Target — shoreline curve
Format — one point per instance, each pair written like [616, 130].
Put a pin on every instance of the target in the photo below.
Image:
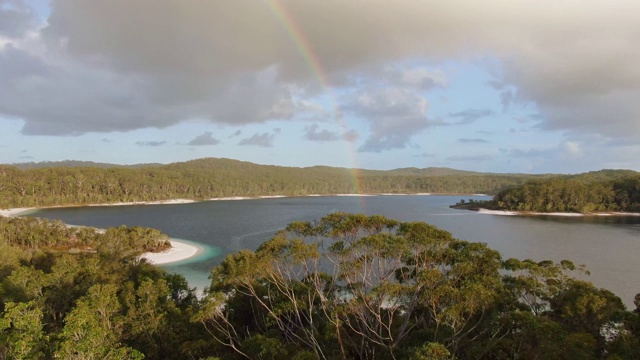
[179, 251]
[559, 214]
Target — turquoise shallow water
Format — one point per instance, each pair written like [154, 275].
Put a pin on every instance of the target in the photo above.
[196, 277]
[609, 246]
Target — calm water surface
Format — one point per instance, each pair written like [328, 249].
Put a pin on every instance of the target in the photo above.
[609, 246]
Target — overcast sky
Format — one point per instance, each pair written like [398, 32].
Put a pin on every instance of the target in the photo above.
[500, 86]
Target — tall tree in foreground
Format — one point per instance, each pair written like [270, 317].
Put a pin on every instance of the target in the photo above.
[355, 285]
[367, 287]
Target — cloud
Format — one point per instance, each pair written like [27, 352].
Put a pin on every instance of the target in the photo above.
[566, 150]
[313, 133]
[472, 141]
[417, 77]
[350, 136]
[394, 116]
[16, 17]
[150, 143]
[469, 116]
[426, 155]
[235, 134]
[117, 66]
[204, 139]
[262, 140]
[485, 157]
[579, 154]
[506, 98]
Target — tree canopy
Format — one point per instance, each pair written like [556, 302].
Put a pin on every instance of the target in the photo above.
[592, 192]
[210, 178]
[347, 286]
[367, 287]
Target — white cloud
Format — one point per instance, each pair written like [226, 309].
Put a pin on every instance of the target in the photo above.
[150, 143]
[394, 116]
[261, 140]
[472, 141]
[204, 139]
[119, 65]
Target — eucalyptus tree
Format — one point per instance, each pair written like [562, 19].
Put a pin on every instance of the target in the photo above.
[353, 286]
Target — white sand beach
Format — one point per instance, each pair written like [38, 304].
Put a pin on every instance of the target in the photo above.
[566, 214]
[229, 198]
[497, 212]
[14, 212]
[159, 202]
[18, 211]
[353, 195]
[179, 251]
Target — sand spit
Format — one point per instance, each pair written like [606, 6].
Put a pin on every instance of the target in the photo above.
[527, 213]
[14, 212]
[362, 195]
[497, 212]
[160, 202]
[179, 251]
[230, 198]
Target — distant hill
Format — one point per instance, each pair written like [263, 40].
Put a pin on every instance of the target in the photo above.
[84, 182]
[432, 171]
[74, 164]
[224, 163]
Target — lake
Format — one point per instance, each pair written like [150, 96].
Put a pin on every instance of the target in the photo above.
[609, 246]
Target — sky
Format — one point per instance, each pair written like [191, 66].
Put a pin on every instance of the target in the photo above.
[544, 86]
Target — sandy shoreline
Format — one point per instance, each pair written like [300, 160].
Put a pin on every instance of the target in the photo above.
[17, 211]
[14, 212]
[527, 213]
[179, 251]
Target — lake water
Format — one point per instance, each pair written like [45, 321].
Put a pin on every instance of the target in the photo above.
[608, 246]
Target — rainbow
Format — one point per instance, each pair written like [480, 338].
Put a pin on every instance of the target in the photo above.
[305, 48]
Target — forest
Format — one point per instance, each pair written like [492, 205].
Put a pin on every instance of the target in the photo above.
[602, 191]
[346, 286]
[48, 184]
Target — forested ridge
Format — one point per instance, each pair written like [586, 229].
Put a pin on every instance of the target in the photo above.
[600, 191]
[344, 287]
[49, 184]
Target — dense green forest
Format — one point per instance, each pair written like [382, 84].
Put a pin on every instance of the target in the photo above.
[83, 183]
[606, 191]
[344, 287]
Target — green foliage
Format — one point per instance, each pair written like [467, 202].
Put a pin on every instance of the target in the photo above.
[431, 351]
[209, 178]
[40, 234]
[591, 192]
[356, 286]
[348, 286]
[21, 330]
[92, 304]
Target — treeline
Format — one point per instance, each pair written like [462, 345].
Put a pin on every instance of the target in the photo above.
[344, 287]
[97, 303]
[209, 178]
[591, 192]
[41, 234]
